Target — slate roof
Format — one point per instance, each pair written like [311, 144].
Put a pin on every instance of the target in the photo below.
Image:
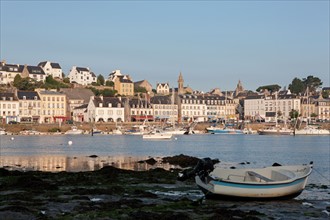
[7, 96]
[35, 70]
[139, 102]
[82, 69]
[165, 100]
[29, 95]
[122, 80]
[106, 100]
[53, 65]
[7, 67]
[84, 106]
[78, 93]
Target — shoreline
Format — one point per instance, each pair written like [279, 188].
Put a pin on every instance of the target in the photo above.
[112, 193]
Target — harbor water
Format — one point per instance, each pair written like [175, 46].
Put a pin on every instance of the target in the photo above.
[73, 152]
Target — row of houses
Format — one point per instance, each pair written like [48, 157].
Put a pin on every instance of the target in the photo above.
[80, 105]
[81, 76]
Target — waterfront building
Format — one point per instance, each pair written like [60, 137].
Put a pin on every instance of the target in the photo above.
[75, 98]
[270, 107]
[9, 71]
[322, 108]
[105, 109]
[81, 75]
[164, 108]
[140, 109]
[53, 106]
[29, 106]
[51, 69]
[9, 107]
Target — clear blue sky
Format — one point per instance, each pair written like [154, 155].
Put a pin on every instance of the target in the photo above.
[214, 44]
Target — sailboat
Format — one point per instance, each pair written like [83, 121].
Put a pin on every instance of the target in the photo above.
[276, 130]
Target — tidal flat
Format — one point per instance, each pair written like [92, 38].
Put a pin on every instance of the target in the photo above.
[112, 193]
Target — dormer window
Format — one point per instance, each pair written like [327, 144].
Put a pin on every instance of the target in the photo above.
[35, 97]
[24, 97]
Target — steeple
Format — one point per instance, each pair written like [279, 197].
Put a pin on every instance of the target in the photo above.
[180, 84]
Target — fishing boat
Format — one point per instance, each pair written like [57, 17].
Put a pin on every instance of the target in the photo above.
[224, 130]
[74, 130]
[274, 182]
[312, 130]
[275, 130]
[157, 134]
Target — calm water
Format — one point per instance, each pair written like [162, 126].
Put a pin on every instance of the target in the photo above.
[259, 150]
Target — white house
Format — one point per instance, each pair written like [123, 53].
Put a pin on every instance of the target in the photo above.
[105, 109]
[9, 107]
[34, 72]
[9, 71]
[81, 75]
[163, 88]
[51, 69]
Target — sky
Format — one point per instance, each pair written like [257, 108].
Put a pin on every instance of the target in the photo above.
[212, 43]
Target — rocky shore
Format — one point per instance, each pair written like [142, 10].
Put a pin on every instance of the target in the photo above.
[111, 193]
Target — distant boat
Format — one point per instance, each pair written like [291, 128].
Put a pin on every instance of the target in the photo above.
[2, 131]
[30, 132]
[312, 130]
[274, 182]
[157, 134]
[275, 131]
[74, 130]
[96, 131]
[225, 130]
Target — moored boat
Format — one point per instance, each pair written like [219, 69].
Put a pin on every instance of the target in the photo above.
[225, 130]
[275, 131]
[2, 131]
[74, 130]
[275, 182]
[157, 134]
[312, 130]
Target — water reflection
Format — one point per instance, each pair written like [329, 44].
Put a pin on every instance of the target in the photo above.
[82, 163]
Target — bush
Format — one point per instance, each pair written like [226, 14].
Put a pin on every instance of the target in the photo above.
[54, 130]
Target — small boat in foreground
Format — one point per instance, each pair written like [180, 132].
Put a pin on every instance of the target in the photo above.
[275, 182]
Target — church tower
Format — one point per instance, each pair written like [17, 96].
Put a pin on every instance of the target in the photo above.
[180, 84]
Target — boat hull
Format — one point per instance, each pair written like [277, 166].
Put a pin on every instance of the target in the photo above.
[224, 131]
[269, 183]
[225, 190]
[157, 137]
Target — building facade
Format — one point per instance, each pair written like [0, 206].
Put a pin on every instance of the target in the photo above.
[82, 76]
[51, 69]
[53, 106]
[29, 106]
[9, 107]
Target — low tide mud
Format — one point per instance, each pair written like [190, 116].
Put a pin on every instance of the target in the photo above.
[112, 193]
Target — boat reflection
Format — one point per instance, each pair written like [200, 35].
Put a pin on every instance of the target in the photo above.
[78, 164]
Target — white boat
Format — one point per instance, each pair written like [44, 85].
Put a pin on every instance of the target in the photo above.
[249, 131]
[30, 132]
[2, 131]
[275, 131]
[96, 131]
[157, 134]
[275, 182]
[74, 130]
[312, 130]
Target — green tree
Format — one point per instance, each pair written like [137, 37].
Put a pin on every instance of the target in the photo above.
[294, 113]
[313, 83]
[66, 80]
[271, 88]
[17, 80]
[140, 89]
[109, 83]
[297, 86]
[100, 80]
[109, 92]
[325, 94]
